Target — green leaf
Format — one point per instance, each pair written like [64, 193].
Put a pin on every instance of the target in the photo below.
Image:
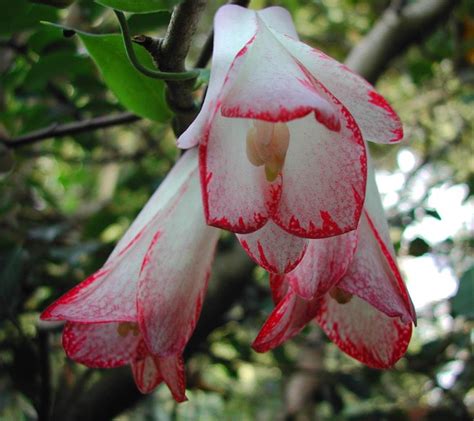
[462, 304]
[139, 6]
[418, 247]
[138, 93]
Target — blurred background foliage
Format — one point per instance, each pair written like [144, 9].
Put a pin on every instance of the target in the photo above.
[64, 202]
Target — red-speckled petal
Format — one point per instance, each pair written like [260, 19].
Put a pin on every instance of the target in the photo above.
[363, 332]
[150, 371]
[375, 117]
[373, 274]
[324, 177]
[274, 249]
[174, 274]
[146, 374]
[110, 293]
[266, 83]
[324, 264]
[374, 277]
[172, 370]
[99, 345]
[279, 286]
[287, 319]
[236, 194]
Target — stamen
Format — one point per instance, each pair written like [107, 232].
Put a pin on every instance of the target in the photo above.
[252, 153]
[124, 328]
[267, 144]
[341, 296]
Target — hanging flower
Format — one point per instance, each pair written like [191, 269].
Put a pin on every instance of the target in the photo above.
[282, 135]
[142, 306]
[351, 286]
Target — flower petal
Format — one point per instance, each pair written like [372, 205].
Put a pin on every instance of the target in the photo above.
[288, 318]
[160, 200]
[146, 374]
[274, 249]
[324, 264]
[97, 299]
[99, 345]
[363, 332]
[324, 179]
[279, 286]
[266, 83]
[233, 27]
[236, 195]
[375, 117]
[374, 275]
[175, 272]
[150, 371]
[278, 19]
[172, 370]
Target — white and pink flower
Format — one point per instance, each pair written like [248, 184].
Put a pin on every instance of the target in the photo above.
[351, 286]
[142, 306]
[282, 134]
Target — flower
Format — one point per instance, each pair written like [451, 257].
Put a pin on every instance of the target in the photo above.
[351, 286]
[282, 135]
[142, 306]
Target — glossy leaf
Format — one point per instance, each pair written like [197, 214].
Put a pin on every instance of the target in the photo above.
[138, 93]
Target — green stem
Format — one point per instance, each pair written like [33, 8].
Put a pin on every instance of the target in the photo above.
[192, 74]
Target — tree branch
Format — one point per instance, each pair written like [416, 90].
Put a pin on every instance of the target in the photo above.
[67, 129]
[172, 55]
[394, 32]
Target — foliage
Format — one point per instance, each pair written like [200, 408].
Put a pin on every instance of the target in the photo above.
[66, 201]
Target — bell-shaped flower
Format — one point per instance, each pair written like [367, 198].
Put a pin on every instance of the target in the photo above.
[282, 135]
[142, 306]
[351, 286]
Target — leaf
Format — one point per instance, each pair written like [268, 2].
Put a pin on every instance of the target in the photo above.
[462, 302]
[140, 94]
[418, 247]
[139, 6]
[433, 213]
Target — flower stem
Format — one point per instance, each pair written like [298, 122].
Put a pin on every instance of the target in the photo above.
[192, 74]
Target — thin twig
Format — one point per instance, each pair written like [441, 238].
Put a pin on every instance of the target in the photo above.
[57, 130]
[192, 74]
